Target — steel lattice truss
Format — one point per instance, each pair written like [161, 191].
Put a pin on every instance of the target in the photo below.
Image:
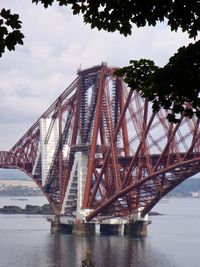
[135, 156]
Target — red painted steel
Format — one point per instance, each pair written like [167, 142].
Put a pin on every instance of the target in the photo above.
[135, 156]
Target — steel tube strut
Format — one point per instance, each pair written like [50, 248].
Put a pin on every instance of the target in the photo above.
[135, 185]
[135, 156]
[94, 139]
[108, 152]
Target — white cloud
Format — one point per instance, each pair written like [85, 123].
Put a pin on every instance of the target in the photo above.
[55, 44]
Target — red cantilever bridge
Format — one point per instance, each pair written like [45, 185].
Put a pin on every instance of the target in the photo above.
[100, 152]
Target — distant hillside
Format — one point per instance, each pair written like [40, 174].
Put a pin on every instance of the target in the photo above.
[10, 174]
[185, 189]
[20, 191]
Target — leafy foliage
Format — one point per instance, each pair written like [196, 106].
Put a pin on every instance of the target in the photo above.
[174, 87]
[10, 34]
[121, 15]
[139, 75]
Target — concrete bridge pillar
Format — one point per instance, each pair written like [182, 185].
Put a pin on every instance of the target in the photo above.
[137, 226]
[76, 229]
[84, 229]
[111, 229]
[136, 229]
[57, 227]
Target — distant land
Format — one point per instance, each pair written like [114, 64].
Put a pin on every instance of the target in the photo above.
[17, 183]
[183, 190]
[19, 188]
[13, 174]
[186, 188]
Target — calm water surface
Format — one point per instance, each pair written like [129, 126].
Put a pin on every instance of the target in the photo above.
[173, 240]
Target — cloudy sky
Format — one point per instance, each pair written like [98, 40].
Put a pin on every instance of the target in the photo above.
[56, 44]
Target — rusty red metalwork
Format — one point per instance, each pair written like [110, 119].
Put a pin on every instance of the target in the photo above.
[135, 156]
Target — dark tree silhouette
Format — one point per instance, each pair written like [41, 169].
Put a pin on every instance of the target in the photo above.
[174, 87]
[10, 34]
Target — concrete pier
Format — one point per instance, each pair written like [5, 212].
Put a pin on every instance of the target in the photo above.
[77, 229]
[111, 229]
[136, 229]
[57, 227]
[114, 226]
[84, 229]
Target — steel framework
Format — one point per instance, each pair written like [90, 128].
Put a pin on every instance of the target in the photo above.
[135, 156]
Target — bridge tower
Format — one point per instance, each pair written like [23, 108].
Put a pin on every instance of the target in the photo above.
[100, 155]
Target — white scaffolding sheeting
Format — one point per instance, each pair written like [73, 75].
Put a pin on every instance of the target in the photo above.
[47, 149]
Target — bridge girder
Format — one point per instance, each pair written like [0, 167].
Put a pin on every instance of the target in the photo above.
[135, 157]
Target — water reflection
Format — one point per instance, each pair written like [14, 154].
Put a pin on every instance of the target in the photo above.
[26, 242]
[111, 251]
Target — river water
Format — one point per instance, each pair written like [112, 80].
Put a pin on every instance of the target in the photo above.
[173, 240]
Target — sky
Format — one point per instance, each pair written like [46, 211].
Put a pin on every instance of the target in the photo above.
[56, 45]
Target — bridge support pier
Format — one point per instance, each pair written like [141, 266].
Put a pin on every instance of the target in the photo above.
[57, 227]
[111, 229]
[84, 229]
[77, 228]
[136, 226]
[136, 229]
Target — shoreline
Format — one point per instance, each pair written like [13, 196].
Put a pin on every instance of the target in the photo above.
[41, 210]
[28, 210]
